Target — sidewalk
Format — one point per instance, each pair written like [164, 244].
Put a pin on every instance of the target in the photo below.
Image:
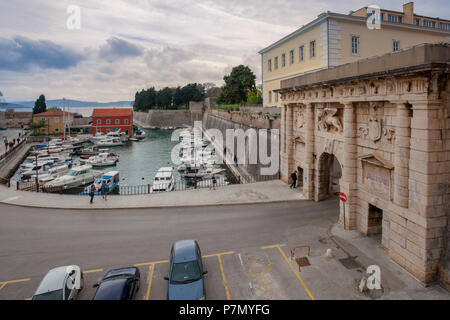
[256, 193]
[397, 284]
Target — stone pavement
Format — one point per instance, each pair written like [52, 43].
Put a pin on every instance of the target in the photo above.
[262, 192]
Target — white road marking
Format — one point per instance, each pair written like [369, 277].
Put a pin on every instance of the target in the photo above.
[240, 258]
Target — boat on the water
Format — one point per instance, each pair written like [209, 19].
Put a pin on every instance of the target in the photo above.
[103, 160]
[52, 173]
[111, 180]
[109, 142]
[164, 180]
[76, 177]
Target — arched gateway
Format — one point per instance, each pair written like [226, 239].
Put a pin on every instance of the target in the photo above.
[380, 140]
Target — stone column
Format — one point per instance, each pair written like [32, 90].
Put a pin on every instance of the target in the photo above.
[283, 156]
[308, 173]
[348, 181]
[289, 137]
[402, 124]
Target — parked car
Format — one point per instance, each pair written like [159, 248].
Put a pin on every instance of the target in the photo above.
[60, 284]
[2, 129]
[186, 272]
[119, 284]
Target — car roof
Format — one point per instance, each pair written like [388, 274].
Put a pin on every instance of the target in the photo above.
[184, 250]
[53, 280]
[110, 289]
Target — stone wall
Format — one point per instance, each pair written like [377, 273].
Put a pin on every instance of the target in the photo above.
[165, 118]
[251, 119]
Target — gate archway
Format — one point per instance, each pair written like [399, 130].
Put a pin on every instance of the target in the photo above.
[329, 176]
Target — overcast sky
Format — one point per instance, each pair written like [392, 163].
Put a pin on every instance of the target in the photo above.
[126, 45]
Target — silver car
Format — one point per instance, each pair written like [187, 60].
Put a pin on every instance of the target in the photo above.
[62, 283]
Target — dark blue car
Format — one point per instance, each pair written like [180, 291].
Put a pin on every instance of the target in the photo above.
[186, 273]
[118, 284]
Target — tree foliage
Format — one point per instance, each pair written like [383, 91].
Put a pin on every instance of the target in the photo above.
[168, 98]
[240, 81]
[40, 105]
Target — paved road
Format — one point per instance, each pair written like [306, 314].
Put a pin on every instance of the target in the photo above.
[10, 134]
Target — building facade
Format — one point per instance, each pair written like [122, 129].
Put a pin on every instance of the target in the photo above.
[54, 120]
[334, 39]
[381, 135]
[106, 120]
[12, 119]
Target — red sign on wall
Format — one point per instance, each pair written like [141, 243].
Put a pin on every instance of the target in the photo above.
[343, 197]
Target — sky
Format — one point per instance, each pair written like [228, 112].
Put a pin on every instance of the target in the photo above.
[123, 46]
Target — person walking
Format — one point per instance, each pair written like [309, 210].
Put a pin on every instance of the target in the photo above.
[104, 190]
[92, 193]
[10, 144]
[214, 181]
[294, 180]
[5, 141]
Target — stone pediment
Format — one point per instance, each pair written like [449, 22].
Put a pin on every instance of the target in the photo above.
[378, 161]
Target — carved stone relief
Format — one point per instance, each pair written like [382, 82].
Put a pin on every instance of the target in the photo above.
[328, 120]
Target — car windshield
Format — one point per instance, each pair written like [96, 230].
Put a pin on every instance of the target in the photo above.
[185, 272]
[51, 295]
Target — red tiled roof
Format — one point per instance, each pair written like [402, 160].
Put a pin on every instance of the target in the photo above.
[112, 112]
[52, 113]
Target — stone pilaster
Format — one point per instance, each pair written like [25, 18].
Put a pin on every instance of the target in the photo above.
[402, 122]
[308, 173]
[349, 167]
[289, 138]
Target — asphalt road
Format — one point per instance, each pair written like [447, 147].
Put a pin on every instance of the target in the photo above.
[32, 241]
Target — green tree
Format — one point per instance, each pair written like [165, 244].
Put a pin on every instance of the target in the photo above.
[164, 98]
[39, 105]
[240, 81]
[254, 97]
[36, 126]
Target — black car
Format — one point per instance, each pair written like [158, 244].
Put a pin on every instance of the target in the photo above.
[118, 284]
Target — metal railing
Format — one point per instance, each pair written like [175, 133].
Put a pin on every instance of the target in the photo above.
[13, 150]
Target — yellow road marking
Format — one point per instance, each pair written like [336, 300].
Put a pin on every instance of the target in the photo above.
[151, 263]
[292, 267]
[224, 279]
[28, 299]
[152, 270]
[14, 281]
[93, 271]
[2, 286]
[218, 254]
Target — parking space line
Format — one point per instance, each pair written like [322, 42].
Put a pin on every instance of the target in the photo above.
[151, 263]
[4, 283]
[92, 271]
[292, 268]
[149, 286]
[217, 254]
[224, 279]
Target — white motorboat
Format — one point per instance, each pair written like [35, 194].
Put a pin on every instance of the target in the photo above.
[98, 137]
[164, 180]
[103, 160]
[52, 174]
[117, 134]
[109, 142]
[139, 134]
[111, 179]
[76, 177]
[200, 172]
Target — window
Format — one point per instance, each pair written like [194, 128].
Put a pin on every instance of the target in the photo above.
[270, 96]
[394, 18]
[117, 121]
[417, 22]
[291, 57]
[312, 49]
[382, 16]
[108, 121]
[283, 60]
[429, 24]
[56, 119]
[99, 121]
[276, 63]
[395, 45]
[301, 53]
[355, 45]
[276, 96]
[269, 65]
[126, 121]
[444, 26]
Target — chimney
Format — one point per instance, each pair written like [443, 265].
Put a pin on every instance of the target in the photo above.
[408, 11]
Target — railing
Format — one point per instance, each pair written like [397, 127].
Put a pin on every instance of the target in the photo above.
[180, 185]
[11, 151]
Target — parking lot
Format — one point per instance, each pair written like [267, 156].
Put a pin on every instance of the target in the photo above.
[255, 273]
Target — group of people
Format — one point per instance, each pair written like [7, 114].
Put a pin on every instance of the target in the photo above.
[9, 145]
[104, 189]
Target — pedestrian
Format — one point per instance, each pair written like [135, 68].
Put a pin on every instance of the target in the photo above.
[18, 141]
[104, 190]
[5, 141]
[14, 141]
[294, 180]
[92, 193]
[10, 144]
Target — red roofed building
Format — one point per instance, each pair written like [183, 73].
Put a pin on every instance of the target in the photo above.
[106, 120]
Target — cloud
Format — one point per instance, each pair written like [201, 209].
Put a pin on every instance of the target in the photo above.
[116, 48]
[21, 54]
